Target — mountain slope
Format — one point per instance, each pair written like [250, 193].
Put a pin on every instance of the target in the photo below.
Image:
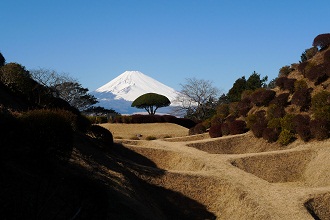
[120, 92]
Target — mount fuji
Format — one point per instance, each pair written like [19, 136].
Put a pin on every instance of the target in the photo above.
[119, 93]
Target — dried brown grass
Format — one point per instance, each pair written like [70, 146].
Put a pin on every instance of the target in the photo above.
[158, 130]
[241, 177]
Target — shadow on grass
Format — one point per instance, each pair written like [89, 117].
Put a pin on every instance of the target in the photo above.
[106, 186]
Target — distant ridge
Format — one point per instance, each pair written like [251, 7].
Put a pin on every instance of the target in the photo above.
[120, 92]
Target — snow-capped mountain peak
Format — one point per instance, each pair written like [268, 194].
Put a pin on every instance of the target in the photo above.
[120, 92]
[131, 84]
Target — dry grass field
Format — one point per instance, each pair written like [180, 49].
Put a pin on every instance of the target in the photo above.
[157, 130]
[235, 177]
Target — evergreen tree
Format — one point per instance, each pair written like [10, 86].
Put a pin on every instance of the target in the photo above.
[234, 94]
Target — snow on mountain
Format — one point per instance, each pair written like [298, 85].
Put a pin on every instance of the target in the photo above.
[120, 92]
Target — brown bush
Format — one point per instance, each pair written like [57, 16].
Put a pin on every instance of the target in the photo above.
[304, 132]
[285, 83]
[237, 127]
[289, 84]
[199, 129]
[319, 129]
[225, 129]
[320, 99]
[244, 106]
[281, 99]
[275, 111]
[317, 74]
[215, 131]
[302, 98]
[301, 67]
[262, 97]
[300, 84]
[258, 128]
[280, 82]
[322, 41]
[285, 71]
[270, 135]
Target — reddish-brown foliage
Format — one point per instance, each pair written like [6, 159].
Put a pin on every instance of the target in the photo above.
[225, 129]
[317, 74]
[270, 134]
[319, 129]
[302, 98]
[304, 132]
[258, 128]
[302, 66]
[215, 131]
[322, 40]
[237, 127]
[244, 106]
[281, 100]
[262, 97]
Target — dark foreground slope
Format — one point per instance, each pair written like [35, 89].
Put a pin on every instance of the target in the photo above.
[93, 184]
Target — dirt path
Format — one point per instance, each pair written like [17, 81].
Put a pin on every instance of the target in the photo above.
[270, 183]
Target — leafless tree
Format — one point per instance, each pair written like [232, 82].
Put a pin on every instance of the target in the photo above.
[197, 97]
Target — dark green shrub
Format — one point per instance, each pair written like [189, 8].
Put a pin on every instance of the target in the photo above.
[320, 129]
[285, 71]
[215, 131]
[244, 106]
[308, 54]
[48, 134]
[322, 113]
[275, 124]
[319, 100]
[225, 129]
[281, 100]
[237, 127]
[270, 135]
[103, 135]
[286, 137]
[302, 98]
[275, 111]
[259, 116]
[287, 122]
[262, 97]
[300, 84]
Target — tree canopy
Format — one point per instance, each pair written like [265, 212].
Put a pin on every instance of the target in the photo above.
[2, 60]
[322, 41]
[151, 102]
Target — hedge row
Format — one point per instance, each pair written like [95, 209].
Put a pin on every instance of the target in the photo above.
[139, 119]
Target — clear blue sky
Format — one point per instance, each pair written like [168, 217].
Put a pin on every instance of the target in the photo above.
[169, 40]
